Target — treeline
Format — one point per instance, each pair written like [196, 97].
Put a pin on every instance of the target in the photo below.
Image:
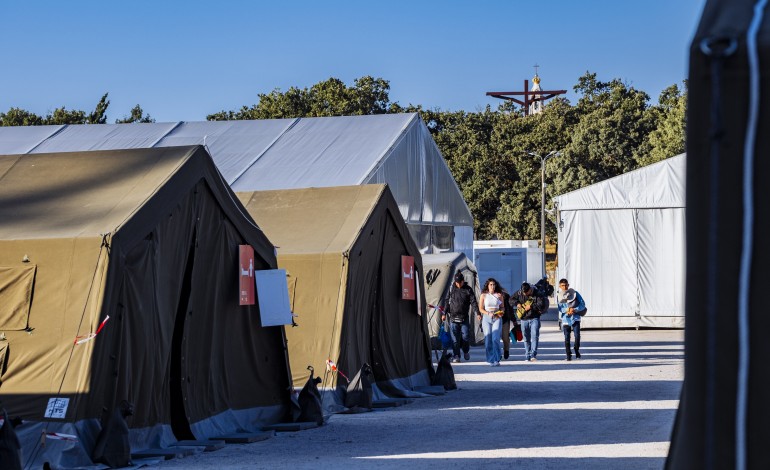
[612, 129]
[22, 117]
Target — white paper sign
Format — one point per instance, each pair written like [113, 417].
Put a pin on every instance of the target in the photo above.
[273, 297]
[57, 408]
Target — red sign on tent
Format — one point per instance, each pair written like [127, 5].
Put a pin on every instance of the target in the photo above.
[246, 273]
[407, 278]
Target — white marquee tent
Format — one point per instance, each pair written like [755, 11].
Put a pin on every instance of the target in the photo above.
[621, 244]
[396, 149]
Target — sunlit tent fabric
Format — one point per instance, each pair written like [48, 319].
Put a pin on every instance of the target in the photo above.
[396, 149]
[145, 243]
[622, 246]
[723, 412]
[342, 249]
[440, 269]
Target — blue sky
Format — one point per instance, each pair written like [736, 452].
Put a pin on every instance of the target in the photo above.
[184, 60]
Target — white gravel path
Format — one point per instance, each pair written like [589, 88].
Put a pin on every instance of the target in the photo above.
[612, 409]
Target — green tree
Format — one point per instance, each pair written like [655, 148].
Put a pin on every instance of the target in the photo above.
[20, 117]
[66, 116]
[137, 115]
[668, 137]
[62, 115]
[99, 114]
[516, 139]
[613, 125]
[328, 98]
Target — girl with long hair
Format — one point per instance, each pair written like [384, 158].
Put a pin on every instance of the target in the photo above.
[492, 309]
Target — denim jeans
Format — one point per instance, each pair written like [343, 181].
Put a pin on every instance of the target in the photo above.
[567, 330]
[492, 327]
[531, 330]
[461, 337]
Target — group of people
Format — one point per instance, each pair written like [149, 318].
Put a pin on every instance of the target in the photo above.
[497, 311]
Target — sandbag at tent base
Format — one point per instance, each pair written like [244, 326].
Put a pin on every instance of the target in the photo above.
[10, 447]
[358, 394]
[311, 409]
[112, 445]
[445, 376]
[77, 453]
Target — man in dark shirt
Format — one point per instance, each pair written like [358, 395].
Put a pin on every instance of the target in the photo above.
[528, 309]
[459, 303]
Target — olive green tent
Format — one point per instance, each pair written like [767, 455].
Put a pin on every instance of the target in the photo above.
[342, 248]
[440, 269]
[140, 246]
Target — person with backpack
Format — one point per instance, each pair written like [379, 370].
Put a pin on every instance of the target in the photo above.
[572, 307]
[529, 307]
[460, 300]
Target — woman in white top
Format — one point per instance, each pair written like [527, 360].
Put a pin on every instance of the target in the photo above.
[492, 309]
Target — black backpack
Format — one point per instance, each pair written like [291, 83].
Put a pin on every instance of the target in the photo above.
[545, 290]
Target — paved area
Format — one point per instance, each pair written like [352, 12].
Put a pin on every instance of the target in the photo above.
[612, 409]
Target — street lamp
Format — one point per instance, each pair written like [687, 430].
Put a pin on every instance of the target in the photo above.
[553, 153]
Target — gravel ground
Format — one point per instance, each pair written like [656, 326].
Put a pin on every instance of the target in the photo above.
[612, 409]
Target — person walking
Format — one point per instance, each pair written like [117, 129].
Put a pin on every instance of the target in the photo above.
[459, 302]
[491, 309]
[529, 307]
[571, 309]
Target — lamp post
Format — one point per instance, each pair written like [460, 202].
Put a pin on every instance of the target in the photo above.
[543, 159]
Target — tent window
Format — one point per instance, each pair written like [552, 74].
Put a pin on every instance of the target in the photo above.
[16, 285]
[421, 236]
[443, 238]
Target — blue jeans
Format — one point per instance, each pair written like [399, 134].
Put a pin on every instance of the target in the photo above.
[531, 330]
[461, 337]
[576, 329]
[492, 331]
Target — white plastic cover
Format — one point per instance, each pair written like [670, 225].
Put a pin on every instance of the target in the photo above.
[658, 185]
[622, 246]
[18, 140]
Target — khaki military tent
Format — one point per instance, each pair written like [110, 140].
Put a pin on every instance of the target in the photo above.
[140, 246]
[342, 248]
[440, 269]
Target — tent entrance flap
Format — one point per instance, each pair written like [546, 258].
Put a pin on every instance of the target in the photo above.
[180, 425]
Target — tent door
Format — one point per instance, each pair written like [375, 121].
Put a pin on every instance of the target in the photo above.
[180, 424]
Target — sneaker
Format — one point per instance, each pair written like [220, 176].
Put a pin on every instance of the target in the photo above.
[568, 358]
[467, 356]
[506, 354]
[534, 359]
[528, 359]
[495, 364]
[455, 359]
[577, 355]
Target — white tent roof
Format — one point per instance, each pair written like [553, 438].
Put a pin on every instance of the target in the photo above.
[660, 185]
[396, 149]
